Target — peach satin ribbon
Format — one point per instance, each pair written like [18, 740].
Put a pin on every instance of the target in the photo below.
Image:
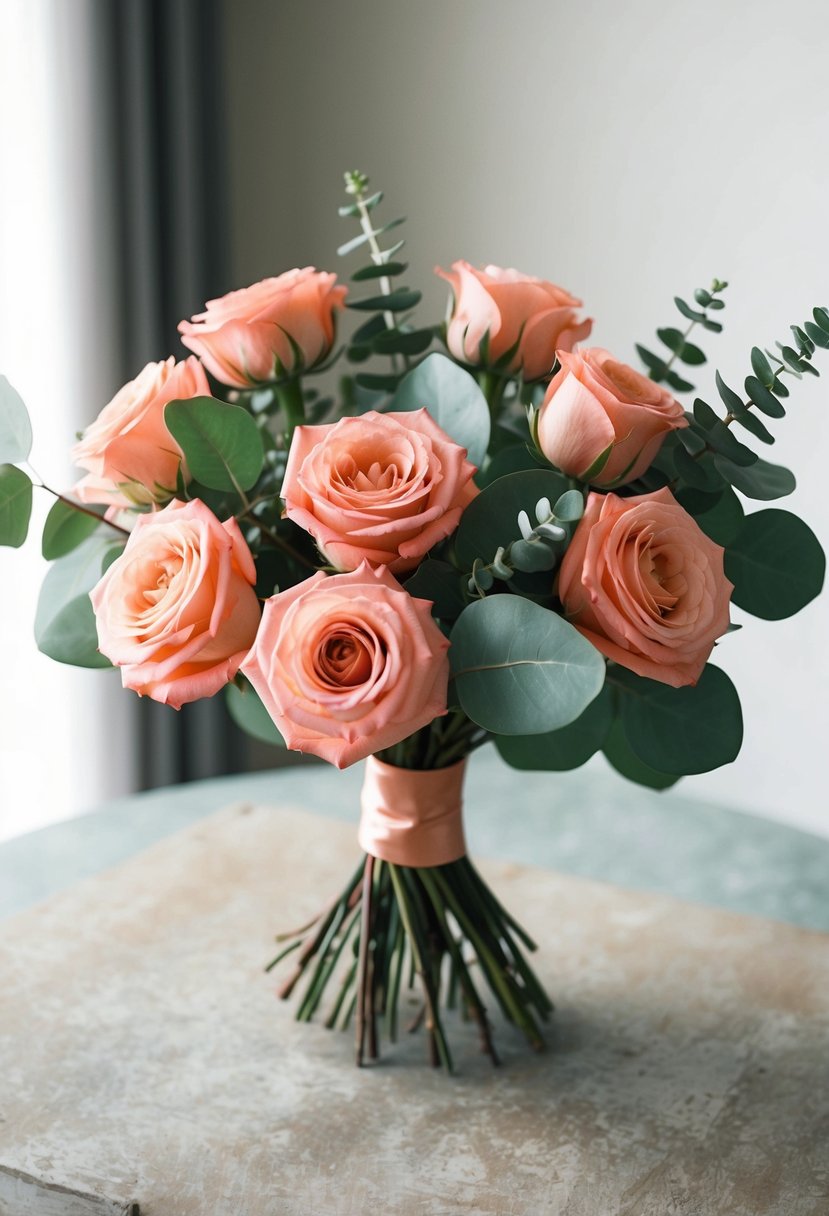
[412, 817]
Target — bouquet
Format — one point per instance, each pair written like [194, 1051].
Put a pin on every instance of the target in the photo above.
[490, 531]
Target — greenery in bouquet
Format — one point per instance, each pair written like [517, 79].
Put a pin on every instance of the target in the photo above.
[490, 532]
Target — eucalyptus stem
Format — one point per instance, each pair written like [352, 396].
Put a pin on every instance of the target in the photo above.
[378, 256]
[77, 506]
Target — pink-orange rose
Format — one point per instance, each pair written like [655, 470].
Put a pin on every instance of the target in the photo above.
[129, 454]
[596, 406]
[382, 488]
[498, 313]
[348, 664]
[645, 585]
[177, 611]
[270, 330]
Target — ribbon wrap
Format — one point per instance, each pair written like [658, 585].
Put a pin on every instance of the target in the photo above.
[412, 817]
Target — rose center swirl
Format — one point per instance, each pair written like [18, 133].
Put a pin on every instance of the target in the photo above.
[344, 659]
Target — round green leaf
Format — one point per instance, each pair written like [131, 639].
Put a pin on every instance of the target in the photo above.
[441, 583]
[567, 748]
[64, 620]
[491, 519]
[15, 427]
[248, 712]
[221, 443]
[760, 480]
[681, 730]
[618, 754]
[452, 398]
[516, 458]
[776, 564]
[65, 528]
[723, 520]
[15, 505]
[520, 669]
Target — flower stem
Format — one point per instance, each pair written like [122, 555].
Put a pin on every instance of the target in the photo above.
[292, 403]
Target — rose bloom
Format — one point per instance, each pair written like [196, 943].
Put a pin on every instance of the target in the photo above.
[273, 329]
[495, 310]
[177, 611]
[594, 403]
[129, 454]
[645, 585]
[348, 664]
[382, 488]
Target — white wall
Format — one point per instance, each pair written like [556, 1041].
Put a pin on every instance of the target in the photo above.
[629, 152]
[64, 733]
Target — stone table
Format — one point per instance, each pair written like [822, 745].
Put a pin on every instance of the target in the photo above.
[147, 1068]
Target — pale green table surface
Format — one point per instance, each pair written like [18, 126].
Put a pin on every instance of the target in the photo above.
[590, 822]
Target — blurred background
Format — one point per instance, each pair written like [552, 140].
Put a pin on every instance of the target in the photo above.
[156, 153]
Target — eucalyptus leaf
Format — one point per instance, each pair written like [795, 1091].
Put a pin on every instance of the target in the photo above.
[15, 505]
[723, 520]
[564, 749]
[385, 270]
[620, 756]
[520, 669]
[517, 458]
[250, 715]
[491, 519]
[65, 528]
[221, 443]
[763, 398]
[399, 300]
[760, 480]
[776, 564]
[441, 583]
[678, 731]
[64, 621]
[453, 399]
[15, 426]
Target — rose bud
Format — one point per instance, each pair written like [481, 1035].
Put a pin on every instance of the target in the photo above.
[382, 488]
[130, 455]
[645, 585]
[349, 664]
[594, 403]
[177, 611]
[274, 329]
[499, 315]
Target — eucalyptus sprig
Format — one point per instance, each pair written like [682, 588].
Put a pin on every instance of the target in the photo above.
[709, 456]
[660, 368]
[388, 332]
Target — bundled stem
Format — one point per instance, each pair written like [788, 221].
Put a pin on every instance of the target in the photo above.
[441, 921]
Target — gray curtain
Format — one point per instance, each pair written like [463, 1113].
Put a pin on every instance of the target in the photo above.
[161, 83]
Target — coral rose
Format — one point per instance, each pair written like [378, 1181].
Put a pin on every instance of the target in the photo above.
[382, 488]
[273, 329]
[177, 611]
[348, 664]
[646, 586]
[595, 406]
[130, 455]
[505, 315]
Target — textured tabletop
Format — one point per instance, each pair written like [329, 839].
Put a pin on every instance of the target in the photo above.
[145, 1061]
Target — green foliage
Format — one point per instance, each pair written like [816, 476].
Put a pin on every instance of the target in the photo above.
[661, 367]
[389, 331]
[776, 565]
[621, 756]
[678, 731]
[66, 528]
[453, 399]
[710, 435]
[520, 669]
[567, 748]
[249, 714]
[221, 443]
[490, 521]
[720, 517]
[441, 583]
[64, 621]
[15, 505]
[15, 427]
